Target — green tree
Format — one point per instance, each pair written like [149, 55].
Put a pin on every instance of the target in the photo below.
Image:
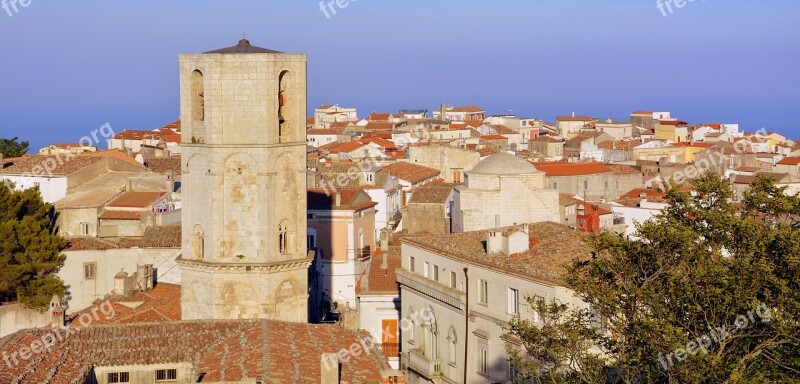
[30, 250]
[703, 264]
[13, 148]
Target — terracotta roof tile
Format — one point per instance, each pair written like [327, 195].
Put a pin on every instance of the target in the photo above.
[133, 199]
[225, 351]
[555, 247]
[412, 173]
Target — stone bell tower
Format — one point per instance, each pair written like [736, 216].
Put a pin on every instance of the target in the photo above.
[243, 184]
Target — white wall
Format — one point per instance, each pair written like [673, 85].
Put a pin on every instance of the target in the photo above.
[51, 188]
[109, 262]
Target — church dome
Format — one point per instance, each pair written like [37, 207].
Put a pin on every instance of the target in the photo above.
[504, 164]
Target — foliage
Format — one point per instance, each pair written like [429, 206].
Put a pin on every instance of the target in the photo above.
[30, 251]
[699, 266]
[12, 147]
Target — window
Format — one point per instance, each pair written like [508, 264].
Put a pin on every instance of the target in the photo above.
[89, 271]
[555, 185]
[483, 360]
[84, 229]
[426, 270]
[513, 301]
[167, 375]
[452, 344]
[119, 377]
[311, 216]
[198, 97]
[586, 185]
[483, 291]
[283, 240]
[617, 184]
[606, 185]
[369, 177]
[411, 263]
[436, 273]
[452, 279]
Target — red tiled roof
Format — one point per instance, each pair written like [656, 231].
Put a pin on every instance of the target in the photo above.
[132, 134]
[45, 165]
[163, 165]
[136, 199]
[494, 137]
[790, 161]
[351, 199]
[467, 109]
[640, 112]
[379, 280]
[560, 168]
[638, 192]
[593, 209]
[412, 173]
[224, 351]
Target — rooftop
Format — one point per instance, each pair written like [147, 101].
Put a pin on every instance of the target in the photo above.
[220, 351]
[243, 47]
[503, 163]
[553, 246]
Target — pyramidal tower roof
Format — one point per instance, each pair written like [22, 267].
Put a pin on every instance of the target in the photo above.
[243, 47]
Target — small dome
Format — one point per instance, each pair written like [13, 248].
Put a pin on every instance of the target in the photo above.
[504, 164]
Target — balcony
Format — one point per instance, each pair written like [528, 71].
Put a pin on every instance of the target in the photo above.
[390, 349]
[424, 365]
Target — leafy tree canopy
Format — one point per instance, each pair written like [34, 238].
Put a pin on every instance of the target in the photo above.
[707, 292]
[30, 251]
[12, 147]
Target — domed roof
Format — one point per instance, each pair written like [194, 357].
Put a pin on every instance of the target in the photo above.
[504, 164]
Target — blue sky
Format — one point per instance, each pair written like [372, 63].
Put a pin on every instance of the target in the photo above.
[67, 67]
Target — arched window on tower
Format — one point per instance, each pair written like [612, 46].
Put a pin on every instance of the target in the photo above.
[283, 108]
[199, 243]
[198, 96]
[283, 239]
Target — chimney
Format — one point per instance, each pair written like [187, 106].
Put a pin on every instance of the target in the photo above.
[494, 242]
[121, 286]
[144, 277]
[330, 371]
[338, 199]
[385, 257]
[170, 182]
[443, 112]
[57, 310]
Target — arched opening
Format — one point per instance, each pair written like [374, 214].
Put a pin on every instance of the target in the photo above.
[199, 243]
[284, 103]
[198, 97]
[452, 342]
[431, 349]
[283, 238]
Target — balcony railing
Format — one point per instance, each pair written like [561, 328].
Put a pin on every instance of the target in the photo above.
[424, 365]
[390, 349]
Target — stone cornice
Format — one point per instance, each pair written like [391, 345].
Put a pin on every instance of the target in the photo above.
[445, 295]
[200, 265]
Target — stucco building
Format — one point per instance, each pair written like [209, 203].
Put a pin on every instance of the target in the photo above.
[503, 190]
